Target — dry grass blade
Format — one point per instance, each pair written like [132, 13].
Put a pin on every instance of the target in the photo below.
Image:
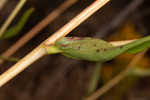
[12, 16]
[36, 29]
[118, 43]
[40, 50]
[2, 3]
[116, 79]
[76, 21]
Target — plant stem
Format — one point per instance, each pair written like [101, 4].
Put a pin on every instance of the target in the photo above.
[116, 79]
[22, 64]
[95, 78]
[118, 43]
[2, 3]
[41, 50]
[37, 53]
[12, 16]
[36, 29]
[76, 21]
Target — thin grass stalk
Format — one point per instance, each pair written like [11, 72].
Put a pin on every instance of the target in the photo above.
[118, 43]
[12, 16]
[40, 51]
[76, 21]
[116, 79]
[28, 60]
[2, 3]
[36, 29]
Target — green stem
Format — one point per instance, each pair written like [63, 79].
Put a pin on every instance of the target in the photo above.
[53, 50]
[95, 78]
[13, 59]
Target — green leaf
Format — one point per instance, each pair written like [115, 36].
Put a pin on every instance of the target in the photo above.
[14, 30]
[97, 50]
[139, 48]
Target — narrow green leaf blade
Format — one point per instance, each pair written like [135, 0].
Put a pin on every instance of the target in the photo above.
[139, 48]
[14, 30]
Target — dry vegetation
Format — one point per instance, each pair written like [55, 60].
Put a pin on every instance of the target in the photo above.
[56, 77]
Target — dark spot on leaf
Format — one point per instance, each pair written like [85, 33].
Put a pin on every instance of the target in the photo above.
[64, 45]
[79, 47]
[97, 50]
[121, 47]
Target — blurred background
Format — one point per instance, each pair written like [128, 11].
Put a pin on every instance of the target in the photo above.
[56, 77]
